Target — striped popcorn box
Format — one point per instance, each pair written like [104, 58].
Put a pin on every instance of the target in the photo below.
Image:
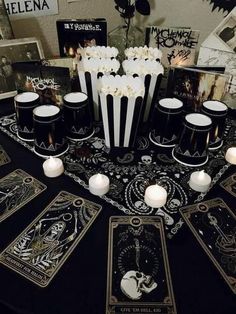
[89, 70]
[151, 72]
[121, 99]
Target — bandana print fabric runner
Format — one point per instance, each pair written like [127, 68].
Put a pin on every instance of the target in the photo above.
[131, 170]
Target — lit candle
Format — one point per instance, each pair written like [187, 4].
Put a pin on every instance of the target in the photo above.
[200, 181]
[99, 184]
[53, 167]
[230, 155]
[155, 196]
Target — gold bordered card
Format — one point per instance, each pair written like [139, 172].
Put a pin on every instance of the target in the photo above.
[43, 247]
[214, 225]
[138, 275]
[16, 189]
[229, 184]
[4, 158]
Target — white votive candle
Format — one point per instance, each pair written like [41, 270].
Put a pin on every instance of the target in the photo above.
[230, 155]
[155, 196]
[200, 181]
[99, 184]
[53, 167]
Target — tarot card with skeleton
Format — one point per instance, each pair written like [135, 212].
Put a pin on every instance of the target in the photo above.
[214, 225]
[229, 184]
[4, 158]
[43, 247]
[17, 189]
[138, 279]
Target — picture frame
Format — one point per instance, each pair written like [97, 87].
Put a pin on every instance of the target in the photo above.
[16, 50]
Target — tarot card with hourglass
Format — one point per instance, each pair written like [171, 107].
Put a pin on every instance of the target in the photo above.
[138, 279]
[42, 248]
[214, 225]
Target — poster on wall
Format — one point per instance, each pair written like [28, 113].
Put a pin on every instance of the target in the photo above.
[5, 26]
[22, 9]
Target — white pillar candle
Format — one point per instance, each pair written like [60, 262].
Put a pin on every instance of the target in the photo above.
[155, 196]
[200, 181]
[230, 155]
[53, 167]
[99, 184]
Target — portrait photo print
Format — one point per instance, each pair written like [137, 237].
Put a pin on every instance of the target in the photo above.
[227, 32]
[16, 50]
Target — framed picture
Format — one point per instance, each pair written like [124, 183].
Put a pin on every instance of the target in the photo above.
[24, 49]
[5, 25]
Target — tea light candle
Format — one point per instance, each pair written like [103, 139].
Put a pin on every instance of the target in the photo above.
[200, 181]
[155, 196]
[53, 167]
[99, 184]
[230, 155]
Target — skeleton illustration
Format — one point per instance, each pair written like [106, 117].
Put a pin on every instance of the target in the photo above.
[135, 283]
[147, 160]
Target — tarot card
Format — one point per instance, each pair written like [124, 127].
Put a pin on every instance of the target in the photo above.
[4, 158]
[214, 226]
[44, 246]
[229, 184]
[138, 278]
[17, 189]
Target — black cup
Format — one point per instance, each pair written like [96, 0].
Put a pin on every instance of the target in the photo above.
[49, 131]
[194, 140]
[217, 111]
[24, 106]
[77, 116]
[167, 119]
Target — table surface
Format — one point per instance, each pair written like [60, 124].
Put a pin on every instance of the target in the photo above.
[80, 285]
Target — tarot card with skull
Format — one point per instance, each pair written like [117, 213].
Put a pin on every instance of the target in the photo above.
[138, 279]
[4, 158]
[229, 184]
[214, 225]
[42, 248]
[17, 189]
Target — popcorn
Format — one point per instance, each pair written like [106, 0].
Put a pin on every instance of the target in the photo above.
[121, 86]
[99, 65]
[146, 53]
[99, 52]
[142, 67]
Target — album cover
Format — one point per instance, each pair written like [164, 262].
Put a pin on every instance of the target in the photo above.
[43, 247]
[213, 224]
[178, 45]
[74, 34]
[138, 278]
[194, 86]
[51, 83]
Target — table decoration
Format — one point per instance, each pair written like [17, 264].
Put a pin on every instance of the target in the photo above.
[200, 181]
[49, 131]
[151, 72]
[230, 155]
[217, 111]
[121, 104]
[77, 116]
[53, 167]
[24, 105]
[17, 189]
[166, 122]
[138, 276]
[143, 52]
[194, 140]
[56, 231]
[99, 52]
[99, 184]
[131, 170]
[4, 158]
[213, 224]
[229, 184]
[89, 70]
[155, 196]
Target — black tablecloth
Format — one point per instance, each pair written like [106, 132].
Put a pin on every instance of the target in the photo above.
[80, 285]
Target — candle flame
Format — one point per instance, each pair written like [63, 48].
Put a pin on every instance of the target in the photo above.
[50, 139]
[201, 175]
[98, 178]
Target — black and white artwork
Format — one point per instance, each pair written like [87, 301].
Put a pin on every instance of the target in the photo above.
[227, 32]
[43, 247]
[229, 184]
[226, 5]
[138, 271]
[4, 158]
[17, 189]
[214, 225]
